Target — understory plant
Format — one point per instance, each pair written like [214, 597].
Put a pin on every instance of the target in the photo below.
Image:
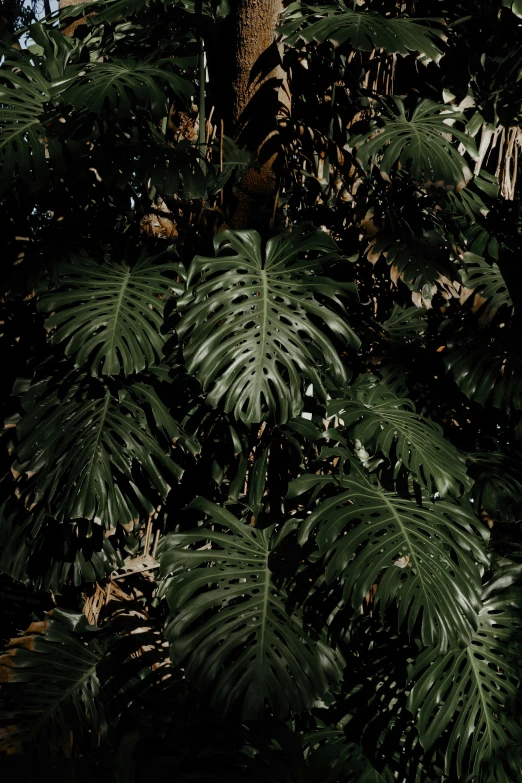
[262, 381]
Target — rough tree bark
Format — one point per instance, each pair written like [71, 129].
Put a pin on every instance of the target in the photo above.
[77, 22]
[260, 95]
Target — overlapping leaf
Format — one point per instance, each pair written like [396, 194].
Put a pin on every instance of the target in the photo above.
[28, 145]
[229, 624]
[485, 279]
[89, 452]
[385, 422]
[429, 555]
[363, 30]
[486, 369]
[119, 86]
[421, 263]
[248, 324]
[498, 484]
[110, 315]
[44, 554]
[419, 144]
[405, 323]
[61, 685]
[230, 162]
[470, 692]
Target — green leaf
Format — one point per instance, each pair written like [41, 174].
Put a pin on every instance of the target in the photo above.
[515, 5]
[29, 148]
[229, 624]
[429, 555]
[420, 262]
[364, 30]
[485, 279]
[486, 369]
[119, 86]
[90, 453]
[470, 692]
[390, 424]
[110, 315]
[47, 555]
[419, 144]
[498, 484]
[234, 163]
[405, 323]
[247, 325]
[169, 166]
[61, 686]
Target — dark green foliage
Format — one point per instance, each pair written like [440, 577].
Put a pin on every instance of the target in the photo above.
[265, 473]
[250, 329]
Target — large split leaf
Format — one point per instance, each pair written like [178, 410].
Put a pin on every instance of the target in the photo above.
[486, 280]
[121, 85]
[61, 686]
[486, 366]
[470, 692]
[420, 262]
[29, 147]
[89, 452]
[498, 484]
[45, 554]
[229, 623]
[110, 315]
[419, 144]
[250, 322]
[405, 323]
[388, 423]
[363, 30]
[429, 554]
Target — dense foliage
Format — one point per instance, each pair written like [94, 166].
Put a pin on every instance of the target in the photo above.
[263, 460]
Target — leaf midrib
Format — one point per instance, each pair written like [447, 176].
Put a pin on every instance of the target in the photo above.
[264, 613]
[65, 695]
[119, 304]
[412, 551]
[98, 435]
[481, 695]
[263, 315]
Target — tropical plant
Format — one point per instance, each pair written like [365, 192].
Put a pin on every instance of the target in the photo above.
[259, 508]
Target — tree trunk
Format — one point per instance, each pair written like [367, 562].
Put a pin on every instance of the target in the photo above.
[77, 22]
[260, 95]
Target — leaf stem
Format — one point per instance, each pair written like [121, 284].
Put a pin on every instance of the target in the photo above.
[201, 105]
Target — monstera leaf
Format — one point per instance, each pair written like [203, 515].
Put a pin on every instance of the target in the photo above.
[250, 318]
[44, 554]
[69, 679]
[486, 280]
[405, 323]
[470, 692]
[89, 452]
[385, 422]
[110, 315]
[363, 30]
[430, 554]
[28, 145]
[420, 262]
[498, 484]
[61, 685]
[229, 624]
[418, 144]
[118, 86]
[486, 366]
